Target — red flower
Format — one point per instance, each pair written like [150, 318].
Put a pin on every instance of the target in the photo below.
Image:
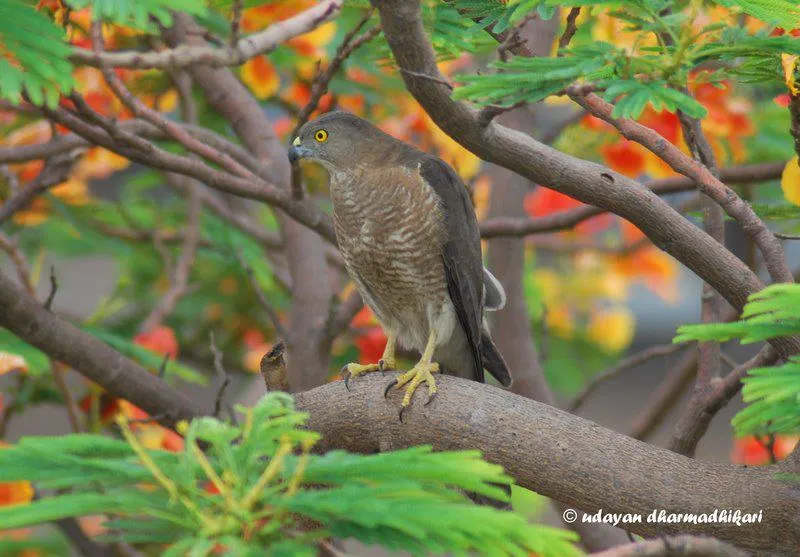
[161, 340]
[545, 201]
[783, 100]
[371, 345]
[625, 157]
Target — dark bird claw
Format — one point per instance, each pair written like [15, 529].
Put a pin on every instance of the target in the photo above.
[430, 399]
[389, 388]
[400, 415]
[346, 374]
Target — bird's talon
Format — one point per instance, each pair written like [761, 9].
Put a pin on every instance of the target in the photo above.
[431, 396]
[389, 388]
[400, 414]
[420, 373]
[351, 371]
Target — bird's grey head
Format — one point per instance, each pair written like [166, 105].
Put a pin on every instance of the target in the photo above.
[337, 140]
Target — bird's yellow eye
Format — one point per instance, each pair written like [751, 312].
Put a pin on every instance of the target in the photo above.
[321, 136]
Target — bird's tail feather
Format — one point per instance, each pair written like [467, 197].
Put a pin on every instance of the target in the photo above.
[493, 362]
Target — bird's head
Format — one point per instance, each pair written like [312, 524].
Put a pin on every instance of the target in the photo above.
[334, 140]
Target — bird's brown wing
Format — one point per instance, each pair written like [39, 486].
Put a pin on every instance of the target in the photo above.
[462, 251]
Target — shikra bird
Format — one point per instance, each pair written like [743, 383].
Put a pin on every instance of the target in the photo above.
[409, 237]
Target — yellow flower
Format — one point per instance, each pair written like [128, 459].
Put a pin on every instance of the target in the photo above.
[612, 329]
[789, 65]
[560, 322]
[261, 77]
[72, 192]
[790, 181]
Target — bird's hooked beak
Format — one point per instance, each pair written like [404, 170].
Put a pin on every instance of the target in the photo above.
[297, 151]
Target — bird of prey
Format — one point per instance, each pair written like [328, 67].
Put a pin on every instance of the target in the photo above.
[410, 240]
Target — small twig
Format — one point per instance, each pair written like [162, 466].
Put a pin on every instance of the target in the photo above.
[490, 112]
[321, 82]
[179, 281]
[223, 375]
[725, 357]
[433, 78]
[273, 368]
[705, 403]
[624, 364]
[162, 369]
[83, 543]
[262, 299]
[340, 317]
[11, 179]
[236, 21]
[571, 28]
[72, 408]
[16, 256]
[53, 288]
[55, 171]
[665, 396]
[512, 39]
[784, 236]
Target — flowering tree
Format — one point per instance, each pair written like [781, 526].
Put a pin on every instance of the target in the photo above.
[605, 145]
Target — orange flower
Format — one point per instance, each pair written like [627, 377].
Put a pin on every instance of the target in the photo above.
[311, 44]
[72, 192]
[612, 329]
[257, 18]
[150, 434]
[160, 339]
[752, 451]
[625, 157]
[653, 267]
[109, 405]
[15, 493]
[261, 77]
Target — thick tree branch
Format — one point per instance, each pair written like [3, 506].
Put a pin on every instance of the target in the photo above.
[504, 226]
[244, 49]
[674, 546]
[582, 180]
[561, 456]
[25, 317]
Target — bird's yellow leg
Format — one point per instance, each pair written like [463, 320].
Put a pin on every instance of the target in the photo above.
[420, 373]
[387, 361]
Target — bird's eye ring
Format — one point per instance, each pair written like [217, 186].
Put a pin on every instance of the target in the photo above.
[321, 136]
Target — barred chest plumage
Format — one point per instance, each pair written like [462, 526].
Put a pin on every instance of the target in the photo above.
[390, 229]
